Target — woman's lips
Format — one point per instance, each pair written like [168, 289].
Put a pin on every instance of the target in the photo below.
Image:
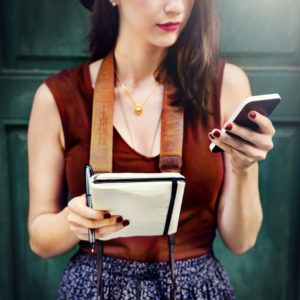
[171, 26]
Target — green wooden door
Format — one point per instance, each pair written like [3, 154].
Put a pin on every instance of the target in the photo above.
[38, 38]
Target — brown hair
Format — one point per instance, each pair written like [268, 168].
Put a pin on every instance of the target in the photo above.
[191, 63]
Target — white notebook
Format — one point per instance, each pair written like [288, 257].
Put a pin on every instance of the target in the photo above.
[150, 201]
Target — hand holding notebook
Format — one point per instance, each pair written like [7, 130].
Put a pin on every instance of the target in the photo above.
[150, 201]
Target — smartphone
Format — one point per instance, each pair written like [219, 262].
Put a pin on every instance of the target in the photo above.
[264, 104]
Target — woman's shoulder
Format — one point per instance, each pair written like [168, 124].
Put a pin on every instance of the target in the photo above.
[61, 87]
[235, 88]
[69, 86]
[233, 76]
[69, 75]
[85, 74]
[67, 82]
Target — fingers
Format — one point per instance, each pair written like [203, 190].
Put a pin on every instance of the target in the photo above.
[264, 123]
[235, 145]
[248, 140]
[260, 139]
[81, 218]
[242, 154]
[107, 230]
[78, 206]
[243, 144]
[82, 232]
[74, 218]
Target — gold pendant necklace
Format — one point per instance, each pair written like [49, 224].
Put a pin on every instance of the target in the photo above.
[138, 106]
[132, 144]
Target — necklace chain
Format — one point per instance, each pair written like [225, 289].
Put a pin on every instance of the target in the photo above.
[129, 131]
[138, 106]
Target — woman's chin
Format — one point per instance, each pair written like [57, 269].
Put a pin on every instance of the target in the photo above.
[166, 42]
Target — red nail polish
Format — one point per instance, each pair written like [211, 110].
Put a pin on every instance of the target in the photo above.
[119, 219]
[106, 216]
[252, 115]
[216, 133]
[228, 126]
[211, 136]
[125, 223]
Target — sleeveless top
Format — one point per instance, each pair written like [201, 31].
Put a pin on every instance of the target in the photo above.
[73, 93]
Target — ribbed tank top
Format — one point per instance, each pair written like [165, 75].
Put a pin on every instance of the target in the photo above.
[73, 94]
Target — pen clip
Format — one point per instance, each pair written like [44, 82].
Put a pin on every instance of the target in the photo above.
[88, 174]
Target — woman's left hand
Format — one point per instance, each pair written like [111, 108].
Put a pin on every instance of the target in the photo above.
[253, 146]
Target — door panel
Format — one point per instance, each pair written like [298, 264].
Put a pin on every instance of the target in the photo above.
[256, 28]
[37, 38]
[43, 35]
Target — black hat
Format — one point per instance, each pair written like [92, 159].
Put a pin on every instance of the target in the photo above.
[87, 3]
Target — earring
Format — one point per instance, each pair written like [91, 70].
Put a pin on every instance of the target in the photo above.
[114, 2]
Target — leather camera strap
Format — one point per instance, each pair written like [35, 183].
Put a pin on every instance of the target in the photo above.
[101, 148]
[102, 118]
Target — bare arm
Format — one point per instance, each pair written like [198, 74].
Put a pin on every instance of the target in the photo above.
[239, 211]
[53, 227]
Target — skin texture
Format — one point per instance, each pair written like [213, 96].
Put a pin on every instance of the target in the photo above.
[55, 229]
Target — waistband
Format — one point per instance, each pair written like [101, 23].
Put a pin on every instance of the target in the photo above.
[98, 250]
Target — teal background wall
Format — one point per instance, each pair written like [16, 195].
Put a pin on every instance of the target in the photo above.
[38, 38]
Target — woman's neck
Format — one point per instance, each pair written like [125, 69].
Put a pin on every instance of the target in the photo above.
[137, 63]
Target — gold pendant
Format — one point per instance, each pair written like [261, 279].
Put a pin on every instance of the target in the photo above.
[138, 109]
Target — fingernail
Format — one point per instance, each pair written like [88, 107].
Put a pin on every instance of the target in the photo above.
[252, 115]
[216, 133]
[211, 136]
[125, 223]
[106, 216]
[228, 126]
[119, 219]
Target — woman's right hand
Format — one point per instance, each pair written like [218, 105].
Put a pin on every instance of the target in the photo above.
[81, 218]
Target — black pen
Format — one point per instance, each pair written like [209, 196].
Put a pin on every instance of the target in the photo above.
[88, 174]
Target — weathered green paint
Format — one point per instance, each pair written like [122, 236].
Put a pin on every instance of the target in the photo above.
[39, 37]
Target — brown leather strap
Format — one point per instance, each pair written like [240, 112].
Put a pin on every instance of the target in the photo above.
[102, 143]
[102, 125]
[170, 159]
[102, 118]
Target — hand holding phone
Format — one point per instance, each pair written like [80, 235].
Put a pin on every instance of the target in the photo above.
[264, 104]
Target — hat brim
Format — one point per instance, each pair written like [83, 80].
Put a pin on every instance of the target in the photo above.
[87, 3]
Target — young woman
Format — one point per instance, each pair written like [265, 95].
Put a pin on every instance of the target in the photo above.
[154, 43]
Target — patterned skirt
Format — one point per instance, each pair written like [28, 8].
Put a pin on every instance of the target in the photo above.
[197, 278]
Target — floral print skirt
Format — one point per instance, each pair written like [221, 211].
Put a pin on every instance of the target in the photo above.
[196, 278]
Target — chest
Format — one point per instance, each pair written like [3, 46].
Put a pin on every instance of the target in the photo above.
[141, 131]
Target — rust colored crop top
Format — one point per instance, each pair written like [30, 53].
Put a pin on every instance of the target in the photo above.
[73, 94]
